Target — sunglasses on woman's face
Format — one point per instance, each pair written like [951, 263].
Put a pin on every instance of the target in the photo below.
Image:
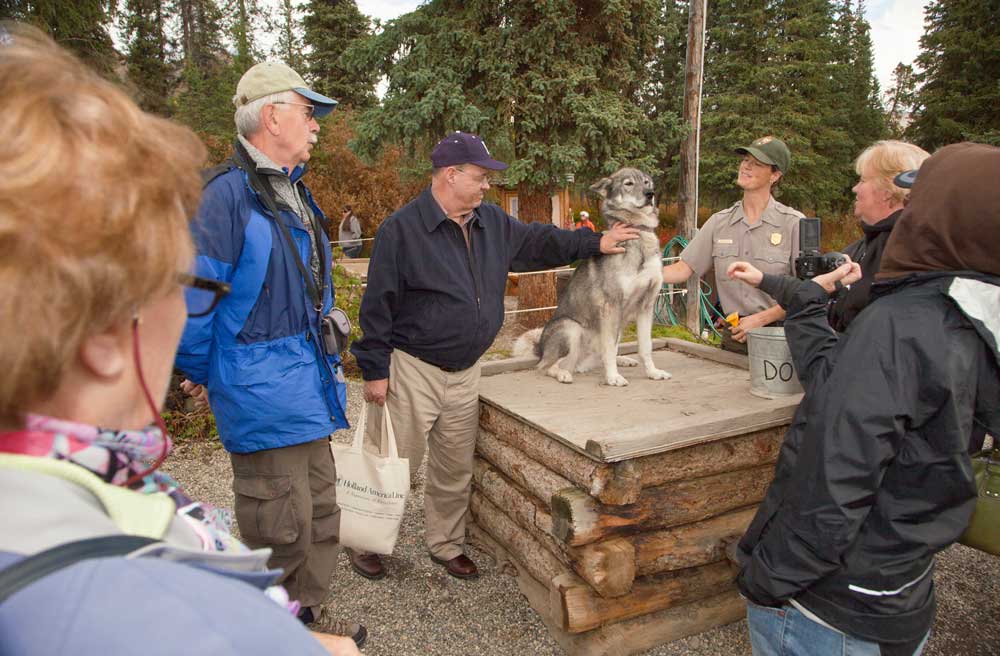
[202, 294]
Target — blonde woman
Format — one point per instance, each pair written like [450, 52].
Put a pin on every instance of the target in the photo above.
[878, 204]
[95, 200]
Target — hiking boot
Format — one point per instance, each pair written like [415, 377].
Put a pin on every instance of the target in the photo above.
[356, 632]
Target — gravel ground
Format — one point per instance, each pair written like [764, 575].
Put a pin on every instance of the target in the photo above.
[418, 609]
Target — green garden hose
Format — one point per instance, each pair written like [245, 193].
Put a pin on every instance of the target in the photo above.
[663, 313]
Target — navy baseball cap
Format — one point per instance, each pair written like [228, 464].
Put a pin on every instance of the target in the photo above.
[463, 148]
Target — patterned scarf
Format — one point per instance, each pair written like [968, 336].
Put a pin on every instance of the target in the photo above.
[114, 457]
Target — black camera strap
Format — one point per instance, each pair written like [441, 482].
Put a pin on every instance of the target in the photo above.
[266, 192]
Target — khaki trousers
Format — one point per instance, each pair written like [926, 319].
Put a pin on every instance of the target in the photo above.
[439, 411]
[286, 500]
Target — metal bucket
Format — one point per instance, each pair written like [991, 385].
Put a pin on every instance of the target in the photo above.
[772, 373]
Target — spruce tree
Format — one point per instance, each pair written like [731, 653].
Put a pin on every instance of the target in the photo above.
[80, 26]
[288, 47]
[770, 70]
[330, 27]
[662, 97]
[149, 70]
[899, 100]
[959, 91]
[554, 87]
[867, 120]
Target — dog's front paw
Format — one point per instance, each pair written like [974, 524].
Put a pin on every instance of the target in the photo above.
[615, 380]
[658, 374]
[624, 361]
[564, 376]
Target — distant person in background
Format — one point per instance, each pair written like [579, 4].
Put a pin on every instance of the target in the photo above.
[878, 204]
[350, 233]
[585, 222]
[758, 229]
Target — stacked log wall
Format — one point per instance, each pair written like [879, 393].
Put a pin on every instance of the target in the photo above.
[616, 542]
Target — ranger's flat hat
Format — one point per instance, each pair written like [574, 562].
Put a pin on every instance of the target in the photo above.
[274, 77]
[770, 151]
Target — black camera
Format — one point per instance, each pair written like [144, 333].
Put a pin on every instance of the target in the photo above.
[810, 262]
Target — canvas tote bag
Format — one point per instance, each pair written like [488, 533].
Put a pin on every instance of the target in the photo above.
[371, 490]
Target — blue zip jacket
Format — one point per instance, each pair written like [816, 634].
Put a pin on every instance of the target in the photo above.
[259, 351]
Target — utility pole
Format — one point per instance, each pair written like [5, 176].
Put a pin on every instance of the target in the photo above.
[694, 67]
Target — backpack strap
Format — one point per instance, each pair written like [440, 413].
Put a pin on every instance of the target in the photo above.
[33, 568]
[209, 174]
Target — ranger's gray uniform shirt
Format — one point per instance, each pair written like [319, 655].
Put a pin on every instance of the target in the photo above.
[771, 245]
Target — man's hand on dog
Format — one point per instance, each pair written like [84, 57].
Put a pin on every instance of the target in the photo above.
[376, 390]
[619, 232]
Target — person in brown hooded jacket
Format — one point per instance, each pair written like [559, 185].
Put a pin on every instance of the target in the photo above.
[874, 475]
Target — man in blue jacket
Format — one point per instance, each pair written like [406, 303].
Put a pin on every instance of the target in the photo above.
[277, 393]
[433, 305]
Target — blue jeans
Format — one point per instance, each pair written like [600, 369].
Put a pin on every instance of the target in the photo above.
[786, 631]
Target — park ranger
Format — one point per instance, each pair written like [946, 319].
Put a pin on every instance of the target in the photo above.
[756, 229]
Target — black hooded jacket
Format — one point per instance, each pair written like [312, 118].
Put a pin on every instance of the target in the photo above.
[874, 477]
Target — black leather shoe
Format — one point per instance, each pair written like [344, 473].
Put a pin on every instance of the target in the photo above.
[461, 566]
[368, 565]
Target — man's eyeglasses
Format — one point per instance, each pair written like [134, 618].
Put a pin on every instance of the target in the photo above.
[202, 294]
[487, 178]
[310, 111]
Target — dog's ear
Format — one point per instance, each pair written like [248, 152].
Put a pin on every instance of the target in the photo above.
[601, 187]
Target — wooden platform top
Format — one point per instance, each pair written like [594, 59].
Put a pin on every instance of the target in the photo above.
[706, 400]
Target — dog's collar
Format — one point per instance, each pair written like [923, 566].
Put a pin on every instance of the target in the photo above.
[637, 227]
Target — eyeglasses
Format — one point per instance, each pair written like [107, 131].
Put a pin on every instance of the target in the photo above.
[202, 294]
[480, 179]
[310, 112]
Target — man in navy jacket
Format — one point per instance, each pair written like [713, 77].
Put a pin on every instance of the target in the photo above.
[433, 305]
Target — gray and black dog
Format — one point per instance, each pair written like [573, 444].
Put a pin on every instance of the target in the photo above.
[605, 293]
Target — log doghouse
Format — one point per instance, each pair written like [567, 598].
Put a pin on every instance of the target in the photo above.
[615, 504]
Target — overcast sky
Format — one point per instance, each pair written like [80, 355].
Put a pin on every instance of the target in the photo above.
[896, 28]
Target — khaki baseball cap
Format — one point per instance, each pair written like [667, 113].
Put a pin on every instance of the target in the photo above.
[274, 77]
[770, 151]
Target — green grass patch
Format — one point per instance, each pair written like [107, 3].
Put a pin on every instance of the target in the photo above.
[197, 426]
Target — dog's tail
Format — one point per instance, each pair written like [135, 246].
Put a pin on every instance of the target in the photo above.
[527, 344]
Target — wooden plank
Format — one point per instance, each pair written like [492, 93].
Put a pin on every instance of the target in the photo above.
[704, 402]
[574, 605]
[730, 454]
[627, 637]
[688, 545]
[611, 483]
[540, 562]
[537, 479]
[579, 519]
[494, 367]
[608, 566]
[620, 483]
[528, 512]
[708, 352]
[582, 610]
